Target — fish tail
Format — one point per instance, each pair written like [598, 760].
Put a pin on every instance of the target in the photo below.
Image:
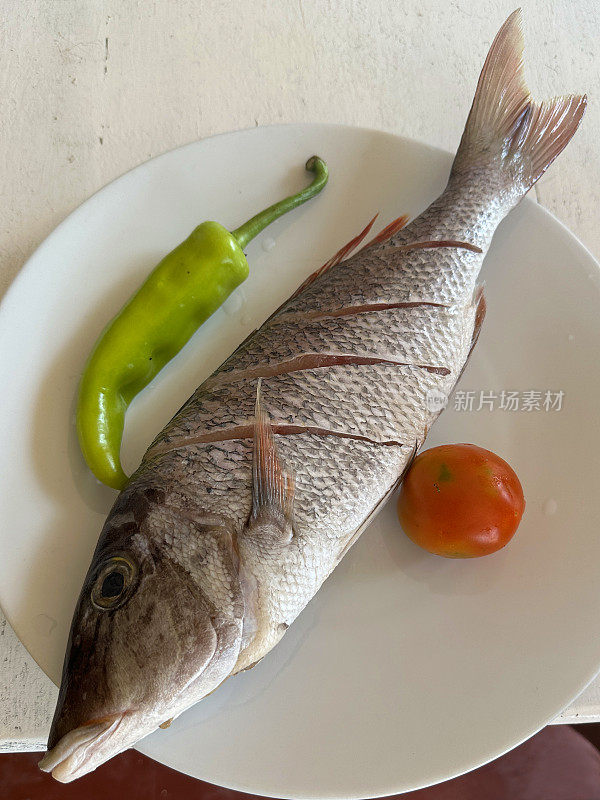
[508, 135]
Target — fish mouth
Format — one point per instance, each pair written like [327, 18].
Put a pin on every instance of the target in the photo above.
[70, 756]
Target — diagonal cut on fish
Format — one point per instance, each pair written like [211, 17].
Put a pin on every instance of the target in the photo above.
[279, 428]
[317, 360]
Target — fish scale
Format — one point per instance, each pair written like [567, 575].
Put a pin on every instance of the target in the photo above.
[281, 584]
[326, 513]
[386, 402]
[392, 405]
[322, 508]
[257, 488]
[445, 275]
[428, 337]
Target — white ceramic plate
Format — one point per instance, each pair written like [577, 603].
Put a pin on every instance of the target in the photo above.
[406, 669]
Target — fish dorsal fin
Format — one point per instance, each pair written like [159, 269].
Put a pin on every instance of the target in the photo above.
[272, 485]
[390, 230]
[345, 251]
[337, 258]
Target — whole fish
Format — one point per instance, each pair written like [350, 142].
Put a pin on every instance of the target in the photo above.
[252, 494]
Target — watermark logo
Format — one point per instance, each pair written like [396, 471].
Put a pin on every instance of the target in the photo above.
[527, 400]
[435, 401]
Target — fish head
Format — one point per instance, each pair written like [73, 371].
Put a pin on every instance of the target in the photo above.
[150, 636]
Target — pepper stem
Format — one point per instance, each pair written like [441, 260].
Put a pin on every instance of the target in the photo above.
[250, 229]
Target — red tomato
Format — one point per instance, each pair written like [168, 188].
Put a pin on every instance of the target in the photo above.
[460, 501]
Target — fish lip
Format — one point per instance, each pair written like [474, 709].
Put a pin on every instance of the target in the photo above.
[71, 752]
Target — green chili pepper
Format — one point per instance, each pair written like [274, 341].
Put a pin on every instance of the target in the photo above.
[188, 285]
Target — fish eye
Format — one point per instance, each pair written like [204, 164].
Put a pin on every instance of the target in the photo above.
[113, 582]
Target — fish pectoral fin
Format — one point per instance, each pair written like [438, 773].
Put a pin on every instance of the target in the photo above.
[272, 485]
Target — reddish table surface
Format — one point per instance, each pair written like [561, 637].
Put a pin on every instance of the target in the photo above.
[556, 764]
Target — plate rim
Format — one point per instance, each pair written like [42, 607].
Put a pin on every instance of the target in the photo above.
[29, 264]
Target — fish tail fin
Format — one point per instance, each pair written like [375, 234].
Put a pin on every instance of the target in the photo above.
[507, 132]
